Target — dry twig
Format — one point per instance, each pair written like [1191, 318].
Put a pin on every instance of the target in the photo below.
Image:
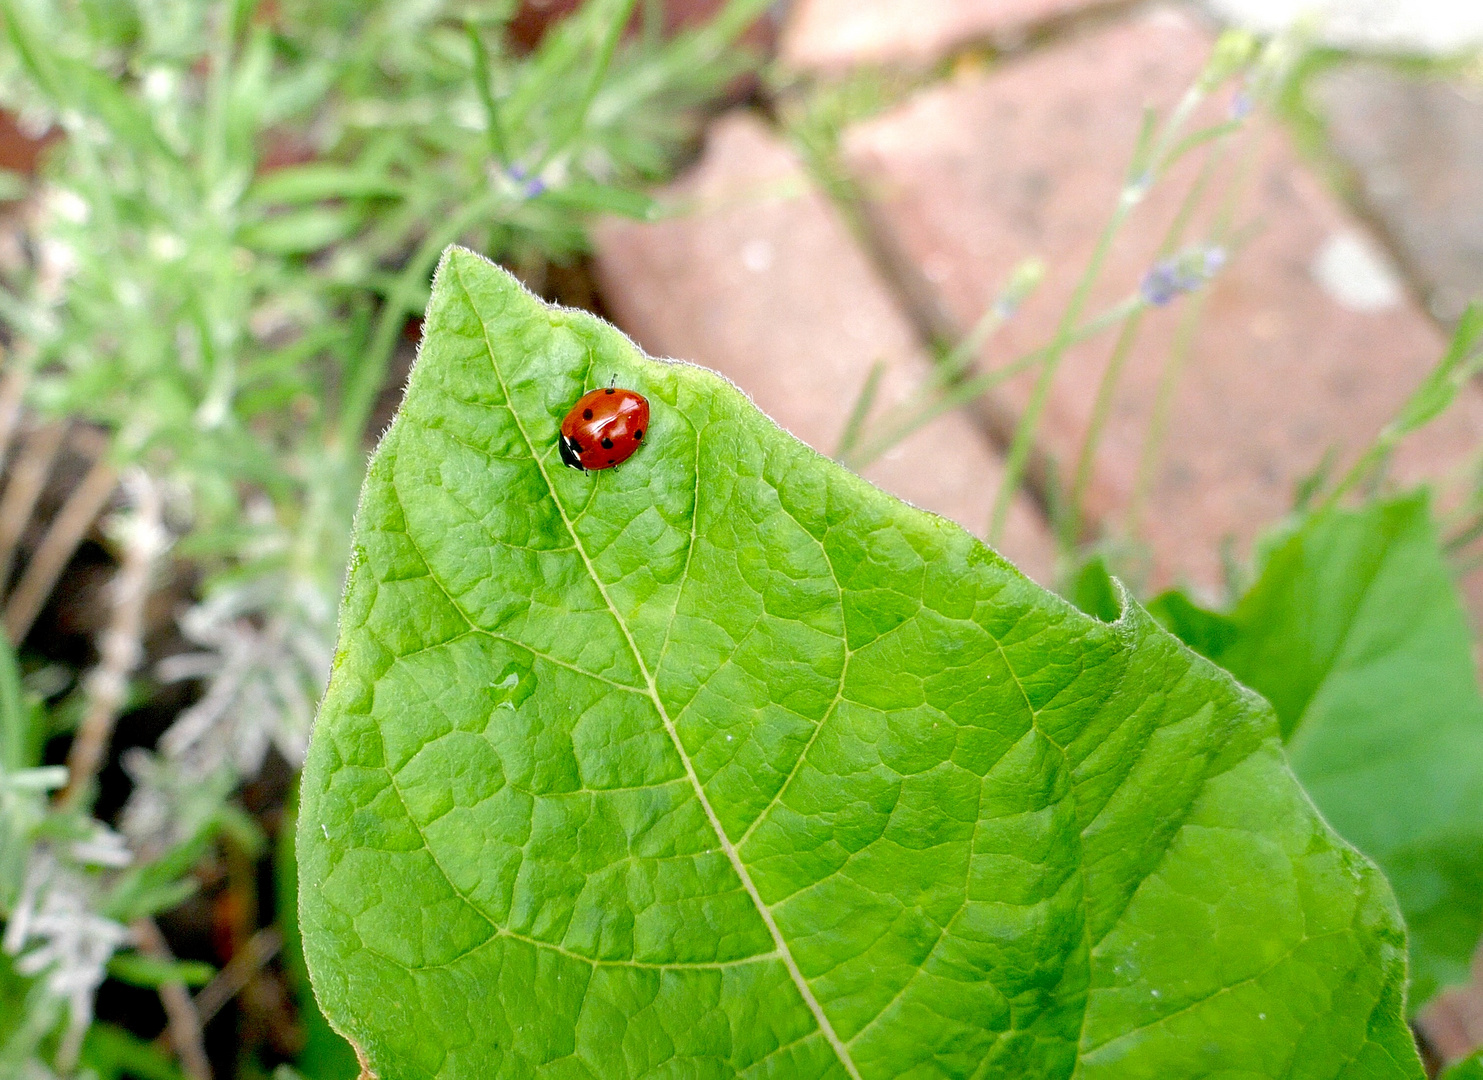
[12, 390]
[182, 1023]
[55, 550]
[27, 479]
[143, 539]
[240, 969]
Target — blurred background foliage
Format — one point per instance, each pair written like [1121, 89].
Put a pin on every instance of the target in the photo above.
[207, 319]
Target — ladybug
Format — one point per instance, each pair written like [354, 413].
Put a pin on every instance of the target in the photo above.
[604, 428]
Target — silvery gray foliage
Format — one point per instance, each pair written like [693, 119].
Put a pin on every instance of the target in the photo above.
[169, 804]
[267, 646]
[55, 930]
[23, 806]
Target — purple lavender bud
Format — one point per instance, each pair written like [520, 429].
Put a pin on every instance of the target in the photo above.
[1241, 105]
[1215, 260]
[535, 187]
[516, 172]
[1160, 284]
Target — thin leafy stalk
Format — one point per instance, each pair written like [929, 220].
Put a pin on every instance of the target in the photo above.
[13, 383]
[1027, 277]
[238, 972]
[366, 379]
[182, 1023]
[969, 389]
[498, 148]
[1112, 374]
[1150, 160]
[861, 410]
[1019, 452]
[143, 540]
[612, 33]
[1438, 390]
[222, 63]
[1163, 405]
[1180, 348]
[950, 368]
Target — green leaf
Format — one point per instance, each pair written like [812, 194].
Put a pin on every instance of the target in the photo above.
[15, 718]
[321, 180]
[1207, 632]
[325, 1054]
[1469, 1068]
[724, 763]
[1094, 592]
[297, 232]
[138, 970]
[1355, 633]
[113, 1054]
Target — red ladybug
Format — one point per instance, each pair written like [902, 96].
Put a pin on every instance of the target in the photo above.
[604, 428]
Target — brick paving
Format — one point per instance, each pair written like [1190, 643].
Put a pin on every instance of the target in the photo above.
[762, 281]
[973, 175]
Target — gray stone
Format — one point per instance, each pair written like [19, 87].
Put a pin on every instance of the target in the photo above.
[1416, 148]
[1439, 27]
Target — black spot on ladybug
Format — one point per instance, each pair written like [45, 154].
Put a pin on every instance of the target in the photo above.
[607, 444]
[609, 390]
[586, 414]
[575, 445]
[638, 435]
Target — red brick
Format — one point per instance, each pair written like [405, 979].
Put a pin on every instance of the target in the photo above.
[835, 34]
[762, 281]
[970, 177]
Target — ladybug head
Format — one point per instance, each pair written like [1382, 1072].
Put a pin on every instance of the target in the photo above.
[571, 452]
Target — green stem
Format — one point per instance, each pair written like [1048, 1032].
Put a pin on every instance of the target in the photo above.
[969, 389]
[1144, 171]
[364, 382]
[613, 32]
[1024, 435]
[1163, 405]
[493, 130]
[1184, 339]
[1102, 407]
[863, 402]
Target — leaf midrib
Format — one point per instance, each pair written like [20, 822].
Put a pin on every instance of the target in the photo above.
[740, 868]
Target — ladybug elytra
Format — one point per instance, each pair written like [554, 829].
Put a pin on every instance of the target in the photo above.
[604, 428]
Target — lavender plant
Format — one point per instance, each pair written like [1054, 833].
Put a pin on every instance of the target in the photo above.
[228, 322]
